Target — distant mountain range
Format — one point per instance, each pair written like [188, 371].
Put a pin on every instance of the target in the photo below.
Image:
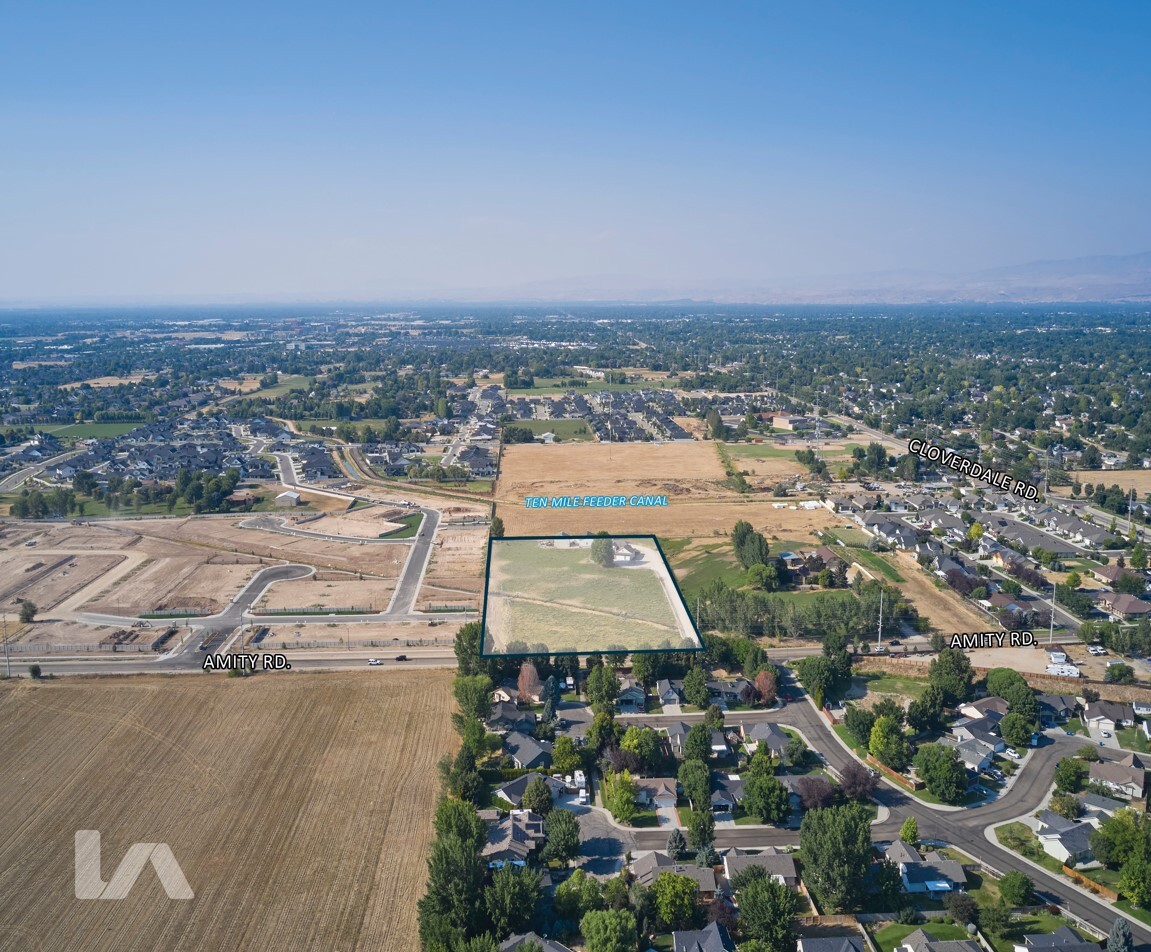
[1117, 278]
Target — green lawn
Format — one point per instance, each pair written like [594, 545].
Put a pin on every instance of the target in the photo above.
[1075, 725]
[565, 430]
[287, 382]
[845, 736]
[1133, 738]
[851, 538]
[892, 936]
[96, 510]
[759, 451]
[890, 684]
[1143, 915]
[410, 526]
[705, 565]
[1021, 839]
[545, 386]
[645, 818]
[874, 560]
[85, 431]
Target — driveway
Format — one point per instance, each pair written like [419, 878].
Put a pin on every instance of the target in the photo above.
[667, 817]
[602, 846]
[1096, 734]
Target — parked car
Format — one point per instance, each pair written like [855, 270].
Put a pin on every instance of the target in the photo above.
[1105, 733]
[1012, 753]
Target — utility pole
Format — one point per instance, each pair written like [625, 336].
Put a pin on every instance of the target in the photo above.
[1051, 632]
[7, 660]
[879, 643]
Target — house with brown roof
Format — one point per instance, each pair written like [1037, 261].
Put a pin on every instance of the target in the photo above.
[1128, 781]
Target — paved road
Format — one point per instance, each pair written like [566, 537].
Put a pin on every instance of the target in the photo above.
[15, 480]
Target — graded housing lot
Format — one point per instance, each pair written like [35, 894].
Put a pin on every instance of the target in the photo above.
[114, 570]
[549, 595]
[298, 806]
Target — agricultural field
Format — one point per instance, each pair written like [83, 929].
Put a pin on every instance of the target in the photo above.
[335, 779]
[101, 382]
[551, 593]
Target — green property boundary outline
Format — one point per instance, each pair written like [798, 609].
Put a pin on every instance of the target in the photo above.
[541, 538]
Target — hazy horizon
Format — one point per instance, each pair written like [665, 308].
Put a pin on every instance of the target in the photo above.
[373, 154]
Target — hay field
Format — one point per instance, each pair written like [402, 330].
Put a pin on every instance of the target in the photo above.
[299, 808]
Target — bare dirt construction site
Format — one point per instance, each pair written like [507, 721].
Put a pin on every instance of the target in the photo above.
[75, 568]
[455, 573]
[330, 590]
[298, 807]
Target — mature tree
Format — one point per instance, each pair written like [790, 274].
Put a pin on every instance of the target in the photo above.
[1113, 842]
[961, 907]
[857, 782]
[909, 831]
[695, 778]
[888, 745]
[578, 895]
[511, 898]
[473, 695]
[615, 892]
[1135, 876]
[796, 752]
[565, 756]
[451, 908]
[816, 792]
[701, 827]
[695, 687]
[609, 930]
[713, 717]
[467, 649]
[697, 744]
[818, 676]
[952, 673]
[602, 687]
[602, 731]
[28, 611]
[1138, 561]
[1070, 774]
[1016, 730]
[767, 913]
[887, 884]
[497, 529]
[836, 847]
[766, 798]
[1021, 700]
[563, 843]
[676, 899]
[537, 797]
[766, 688]
[676, 844]
[603, 551]
[1016, 888]
[942, 771]
[925, 713]
[889, 707]
[645, 667]
[859, 721]
[459, 818]
[995, 919]
[643, 742]
[528, 683]
[1119, 938]
[619, 792]
[1066, 805]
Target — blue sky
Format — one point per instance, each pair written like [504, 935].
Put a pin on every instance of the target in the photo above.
[373, 150]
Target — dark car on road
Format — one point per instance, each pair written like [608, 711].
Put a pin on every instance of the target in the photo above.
[401, 657]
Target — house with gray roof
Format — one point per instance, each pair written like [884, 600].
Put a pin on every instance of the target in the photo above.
[527, 752]
[923, 941]
[932, 874]
[1069, 841]
[712, 939]
[516, 942]
[513, 790]
[771, 735]
[648, 867]
[840, 943]
[780, 866]
[514, 838]
[1063, 939]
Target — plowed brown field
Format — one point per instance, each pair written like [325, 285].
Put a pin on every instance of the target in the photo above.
[298, 806]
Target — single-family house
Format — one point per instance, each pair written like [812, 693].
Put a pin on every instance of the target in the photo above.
[647, 867]
[1108, 715]
[514, 838]
[515, 942]
[985, 707]
[840, 943]
[1096, 804]
[1055, 708]
[985, 729]
[632, 696]
[669, 691]
[676, 734]
[656, 791]
[922, 941]
[513, 790]
[730, 690]
[1069, 841]
[932, 875]
[770, 735]
[1063, 939]
[727, 792]
[506, 716]
[780, 866]
[714, 938]
[527, 752]
[718, 743]
[973, 754]
[1128, 781]
[1124, 607]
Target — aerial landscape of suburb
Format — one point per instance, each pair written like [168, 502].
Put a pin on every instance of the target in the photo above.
[605, 478]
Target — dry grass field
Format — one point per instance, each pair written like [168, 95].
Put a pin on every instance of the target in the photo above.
[373, 594]
[98, 382]
[946, 611]
[1140, 479]
[299, 808]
